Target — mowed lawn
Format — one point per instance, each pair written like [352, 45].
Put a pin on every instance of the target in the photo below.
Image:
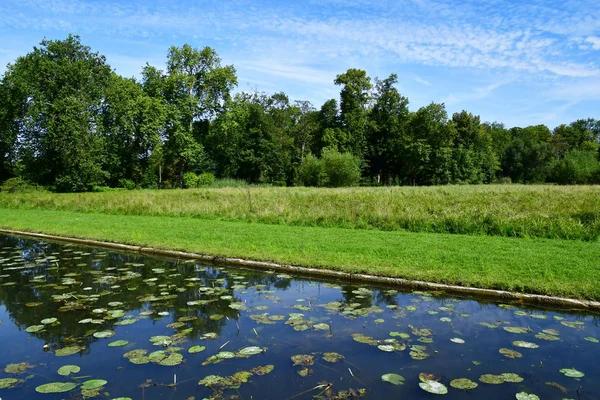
[559, 267]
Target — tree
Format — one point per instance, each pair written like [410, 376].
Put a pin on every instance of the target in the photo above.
[388, 124]
[55, 94]
[354, 98]
[195, 88]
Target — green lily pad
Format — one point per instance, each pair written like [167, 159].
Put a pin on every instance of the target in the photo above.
[48, 321]
[433, 387]
[303, 359]
[526, 396]
[196, 349]
[9, 383]
[67, 351]
[67, 370]
[262, 370]
[526, 345]
[56, 387]
[591, 339]
[402, 335]
[491, 379]
[17, 368]
[457, 340]
[172, 360]
[332, 357]
[516, 329]
[118, 343]
[386, 347]
[463, 384]
[510, 353]
[35, 328]
[572, 373]
[93, 384]
[250, 351]
[394, 379]
[510, 377]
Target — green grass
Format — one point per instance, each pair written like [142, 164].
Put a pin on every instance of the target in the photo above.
[554, 267]
[564, 212]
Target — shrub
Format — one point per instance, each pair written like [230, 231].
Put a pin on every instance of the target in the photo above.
[311, 172]
[205, 179]
[577, 167]
[127, 184]
[190, 180]
[342, 169]
[13, 185]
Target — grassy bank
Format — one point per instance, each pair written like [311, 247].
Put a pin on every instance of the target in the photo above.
[565, 212]
[554, 267]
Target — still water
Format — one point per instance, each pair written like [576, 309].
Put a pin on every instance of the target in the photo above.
[79, 322]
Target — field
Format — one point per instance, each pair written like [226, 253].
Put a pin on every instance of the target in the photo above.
[556, 212]
[535, 239]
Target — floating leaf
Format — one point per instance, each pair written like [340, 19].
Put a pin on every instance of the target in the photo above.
[516, 329]
[591, 339]
[572, 373]
[196, 349]
[172, 360]
[332, 357]
[463, 384]
[18, 368]
[9, 383]
[304, 372]
[118, 343]
[35, 328]
[67, 351]
[510, 353]
[433, 387]
[526, 345]
[386, 347]
[262, 370]
[93, 384]
[510, 377]
[526, 396]
[302, 359]
[67, 370]
[104, 334]
[49, 321]
[394, 379]
[250, 351]
[491, 379]
[457, 340]
[56, 387]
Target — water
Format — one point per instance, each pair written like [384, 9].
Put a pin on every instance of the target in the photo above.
[179, 305]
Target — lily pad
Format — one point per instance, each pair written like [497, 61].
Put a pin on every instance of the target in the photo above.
[572, 373]
[332, 357]
[516, 329]
[250, 351]
[17, 368]
[196, 349]
[118, 343]
[67, 370]
[35, 328]
[303, 359]
[67, 351]
[56, 387]
[510, 377]
[433, 387]
[262, 370]
[9, 383]
[463, 384]
[49, 321]
[172, 360]
[457, 340]
[510, 353]
[394, 379]
[104, 334]
[526, 345]
[591, 339]
[93, 384]
[491, 379]
[526, 396]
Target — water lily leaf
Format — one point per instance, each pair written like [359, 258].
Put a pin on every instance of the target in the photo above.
[104, 334]
[196, 349]
[526, 345]
[56, 387]
[48, 321]
[93, 384]
[402, 335]
[9, 383]
[572, 373]
[321, 327]
[67, 370]
[35, 328]
[457, 340]
[433, 387]
[305, 372]
[526, 396]
[262, 370]
[546, 336]
[510, 353]
[118, 343]
[591, 339]
[491, 379]
[332, 357]
[302, 359]
[510, 377]
[394, 379]
[250, 351]
[67, 351]
[172, 360]
[424, 377]
[516, 329]
[386, 347]
[463, 384]
[17, 368]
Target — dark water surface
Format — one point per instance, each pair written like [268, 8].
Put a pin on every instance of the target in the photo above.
[246, 326]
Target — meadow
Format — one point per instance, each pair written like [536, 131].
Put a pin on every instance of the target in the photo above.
[526, 211]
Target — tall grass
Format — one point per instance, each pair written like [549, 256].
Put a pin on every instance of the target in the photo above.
[566, 212]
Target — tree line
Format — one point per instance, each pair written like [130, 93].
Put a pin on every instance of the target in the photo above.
[70, 123]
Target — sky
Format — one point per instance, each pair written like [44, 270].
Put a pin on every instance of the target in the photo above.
[517, 62]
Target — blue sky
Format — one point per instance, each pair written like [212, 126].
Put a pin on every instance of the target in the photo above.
[517, 62]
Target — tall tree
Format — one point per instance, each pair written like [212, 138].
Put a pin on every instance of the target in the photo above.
[56, 93]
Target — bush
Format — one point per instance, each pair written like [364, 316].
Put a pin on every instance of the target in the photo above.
[127, 184]
[205, 179]
[578, 167]
[13, 185]
[342, 169]
[311, 172]
[190, 180]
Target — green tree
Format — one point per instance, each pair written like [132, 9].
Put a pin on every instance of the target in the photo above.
[56, 94]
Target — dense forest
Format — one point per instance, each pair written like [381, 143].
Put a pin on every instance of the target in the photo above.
[68, 122]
